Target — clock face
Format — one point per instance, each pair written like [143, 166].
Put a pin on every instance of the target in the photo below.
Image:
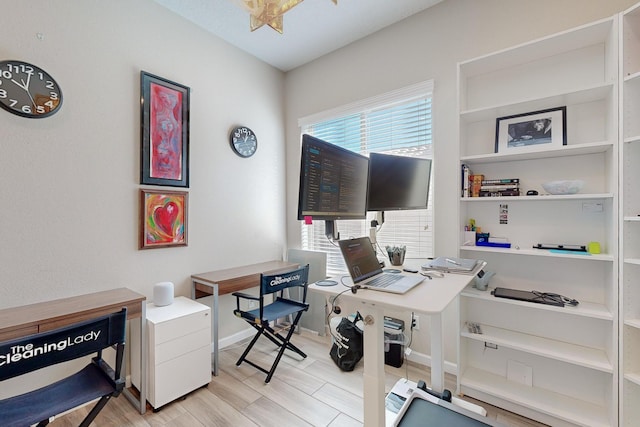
[27, 90]
[243, 141]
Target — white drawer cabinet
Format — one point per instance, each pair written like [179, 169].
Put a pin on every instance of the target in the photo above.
[179, 356]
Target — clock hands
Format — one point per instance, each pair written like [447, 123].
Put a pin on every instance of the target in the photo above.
[25, 86]
[21, 85]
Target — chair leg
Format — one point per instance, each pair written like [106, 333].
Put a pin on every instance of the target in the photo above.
[296, 350]
[286, 344]
[94, 412]
[283, 343]
[287, 341]
[272, 335]
[250, 346]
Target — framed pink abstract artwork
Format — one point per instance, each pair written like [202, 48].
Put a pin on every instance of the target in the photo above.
[163, 218]
[165, 132]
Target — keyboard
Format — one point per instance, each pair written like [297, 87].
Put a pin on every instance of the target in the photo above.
[384, 280]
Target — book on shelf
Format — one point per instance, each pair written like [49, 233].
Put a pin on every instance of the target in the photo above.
[465, 180]
[499, 193]
[475, 182]
[501, 181]
[499, 187]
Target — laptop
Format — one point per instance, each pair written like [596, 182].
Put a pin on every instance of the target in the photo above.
[365, 269]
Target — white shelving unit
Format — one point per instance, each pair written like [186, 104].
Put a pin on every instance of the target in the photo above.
[558, 365]
[630, 223]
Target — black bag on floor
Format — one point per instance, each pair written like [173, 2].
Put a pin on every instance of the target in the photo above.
[347, 348]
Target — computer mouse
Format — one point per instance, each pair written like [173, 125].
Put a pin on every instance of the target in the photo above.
[532, 193]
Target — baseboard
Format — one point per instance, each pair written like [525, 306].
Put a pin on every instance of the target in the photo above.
[235, 338]
[425, 359]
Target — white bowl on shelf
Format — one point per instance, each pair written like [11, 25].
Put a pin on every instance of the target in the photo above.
[566, 186]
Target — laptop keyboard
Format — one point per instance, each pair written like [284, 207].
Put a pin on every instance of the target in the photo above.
[384, 280]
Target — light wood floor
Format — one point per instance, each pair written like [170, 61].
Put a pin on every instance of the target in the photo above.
[309, 392]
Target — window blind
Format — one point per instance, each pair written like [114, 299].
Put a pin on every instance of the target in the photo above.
[399, 123]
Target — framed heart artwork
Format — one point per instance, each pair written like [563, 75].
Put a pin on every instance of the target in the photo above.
[163, 218]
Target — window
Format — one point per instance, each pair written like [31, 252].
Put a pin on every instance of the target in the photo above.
[394, 123]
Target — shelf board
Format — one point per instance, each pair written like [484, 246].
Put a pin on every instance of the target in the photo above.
[576, 38]
[632, 77]
[564, 151]
[635, 261]
[580, 96]
[632, 139]
[586, 357]
[538, 252]
[557, 405]
[634, 323]
[545, 197]
[632, 218]
[633, 377]
[585, 308]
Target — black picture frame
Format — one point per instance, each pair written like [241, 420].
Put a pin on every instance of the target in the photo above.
[164, 121]
[529, 132]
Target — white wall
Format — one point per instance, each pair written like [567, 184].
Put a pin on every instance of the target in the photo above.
[426, 46]
[69, 183]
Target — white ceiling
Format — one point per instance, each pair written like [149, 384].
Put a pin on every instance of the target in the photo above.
[311, 29]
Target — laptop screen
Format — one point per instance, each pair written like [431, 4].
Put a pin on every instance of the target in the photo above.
[360, 258]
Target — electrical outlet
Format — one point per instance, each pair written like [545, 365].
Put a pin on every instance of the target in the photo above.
[253, 304]
[416, 322]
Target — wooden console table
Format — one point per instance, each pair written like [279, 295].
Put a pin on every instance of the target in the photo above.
[230, 280]
[44, 316]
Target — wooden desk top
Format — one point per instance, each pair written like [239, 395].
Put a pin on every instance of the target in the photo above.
[236, 279]
[43, 316]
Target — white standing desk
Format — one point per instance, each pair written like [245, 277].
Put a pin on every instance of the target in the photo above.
[431, 297]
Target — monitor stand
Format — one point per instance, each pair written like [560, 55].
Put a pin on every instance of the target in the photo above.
[331, 231]
[375, 223]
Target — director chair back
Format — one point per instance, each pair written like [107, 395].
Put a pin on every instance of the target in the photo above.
[97, 380]
[273, 305]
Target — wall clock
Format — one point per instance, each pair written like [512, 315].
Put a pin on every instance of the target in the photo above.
[243, 141]
[28, 91]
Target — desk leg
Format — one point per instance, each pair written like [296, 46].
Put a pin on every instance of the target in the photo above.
[437, 353]
[214, 326]
[214, 320]
[374, 379]
[141, 404]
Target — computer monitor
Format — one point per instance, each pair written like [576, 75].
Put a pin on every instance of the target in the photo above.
[333, 183]
[398, 182]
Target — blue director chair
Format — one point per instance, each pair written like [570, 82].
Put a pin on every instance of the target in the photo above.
[266, 315]
[97, 380]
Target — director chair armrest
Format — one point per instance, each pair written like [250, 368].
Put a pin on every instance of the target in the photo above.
[246, 296]
[242, 295]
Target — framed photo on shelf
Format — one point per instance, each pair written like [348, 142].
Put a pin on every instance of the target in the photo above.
[535, 131]
[163, 218]
[165, 132]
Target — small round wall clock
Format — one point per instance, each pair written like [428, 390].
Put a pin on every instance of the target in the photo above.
[28, 91]
[243, 141]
